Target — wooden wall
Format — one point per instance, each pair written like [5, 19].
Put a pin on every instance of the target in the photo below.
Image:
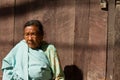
[113, 65]
[78, 29]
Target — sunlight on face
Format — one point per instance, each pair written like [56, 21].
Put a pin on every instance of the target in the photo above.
[32, 36]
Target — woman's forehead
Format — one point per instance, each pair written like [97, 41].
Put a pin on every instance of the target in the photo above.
[31, 28]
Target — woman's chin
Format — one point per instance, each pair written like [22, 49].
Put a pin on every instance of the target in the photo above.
[32, 46]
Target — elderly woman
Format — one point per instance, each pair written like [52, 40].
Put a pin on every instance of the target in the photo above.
[32, 58]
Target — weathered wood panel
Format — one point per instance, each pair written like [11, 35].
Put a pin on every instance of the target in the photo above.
[64, 30]
[81, 37]
[91, 35]
[116, 52]
[6, 28]
[97, 42]
[110, 46]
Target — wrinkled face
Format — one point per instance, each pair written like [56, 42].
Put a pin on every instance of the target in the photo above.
[32, 36]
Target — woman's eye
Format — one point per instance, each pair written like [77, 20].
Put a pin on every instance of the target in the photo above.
[26, 34]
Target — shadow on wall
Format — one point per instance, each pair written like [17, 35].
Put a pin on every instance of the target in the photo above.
[72, 72]
[29, 6]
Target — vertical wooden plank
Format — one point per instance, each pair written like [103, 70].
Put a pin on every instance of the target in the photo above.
[111, 34]
[21, 16]
[64, 34]
[81, 37]
[6, 28]
[116, 55]
[97, 42]
[64, 27]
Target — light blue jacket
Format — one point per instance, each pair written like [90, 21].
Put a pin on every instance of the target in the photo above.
[22, 62]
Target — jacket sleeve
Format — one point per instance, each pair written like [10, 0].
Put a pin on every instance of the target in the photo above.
[55, 63]
[7, 74]
[7, 66]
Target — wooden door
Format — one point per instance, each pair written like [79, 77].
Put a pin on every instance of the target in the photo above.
[78, 29]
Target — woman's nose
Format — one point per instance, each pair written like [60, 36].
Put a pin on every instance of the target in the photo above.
[29, 37]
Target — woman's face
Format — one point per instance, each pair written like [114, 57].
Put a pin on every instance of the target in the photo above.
[32, 36]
